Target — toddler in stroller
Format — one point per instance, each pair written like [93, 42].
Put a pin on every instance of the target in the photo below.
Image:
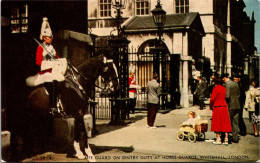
[192, 128]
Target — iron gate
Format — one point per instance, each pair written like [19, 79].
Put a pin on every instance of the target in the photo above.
[143, 65]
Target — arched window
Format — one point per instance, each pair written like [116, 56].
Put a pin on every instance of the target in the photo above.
[182, 6]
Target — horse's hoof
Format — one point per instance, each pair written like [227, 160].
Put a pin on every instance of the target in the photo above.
[80, 157]
[91, 159]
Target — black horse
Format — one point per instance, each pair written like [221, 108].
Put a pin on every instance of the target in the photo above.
[75, 96]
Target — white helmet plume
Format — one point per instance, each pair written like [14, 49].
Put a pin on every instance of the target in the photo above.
[45, 29]
[131, 68]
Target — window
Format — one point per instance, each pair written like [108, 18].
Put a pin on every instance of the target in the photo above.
[142, 7]
[105, 8]
[19, 19]
[182, 6]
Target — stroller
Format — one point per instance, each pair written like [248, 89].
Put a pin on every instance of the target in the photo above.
[193, 132]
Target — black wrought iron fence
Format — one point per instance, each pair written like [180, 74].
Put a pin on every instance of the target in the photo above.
[143, 66]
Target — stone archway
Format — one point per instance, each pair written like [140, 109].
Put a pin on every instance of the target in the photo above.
[149, 63]
[144, 47]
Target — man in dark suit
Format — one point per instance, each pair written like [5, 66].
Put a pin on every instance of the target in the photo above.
[242, 98]
[212, 83]
[200, 90]
[232, 99]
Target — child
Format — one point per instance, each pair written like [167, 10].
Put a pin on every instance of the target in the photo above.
[191, 118]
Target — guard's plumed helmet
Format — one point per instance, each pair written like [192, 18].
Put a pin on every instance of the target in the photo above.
[198, 74]
[131, 70]
[46, 28]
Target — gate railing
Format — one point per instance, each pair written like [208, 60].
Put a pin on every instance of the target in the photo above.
[142, 63]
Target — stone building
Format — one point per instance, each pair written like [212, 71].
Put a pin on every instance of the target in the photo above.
[209, 21]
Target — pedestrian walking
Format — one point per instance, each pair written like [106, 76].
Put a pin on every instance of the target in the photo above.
[212, 83]
[194, 82]
[153, 92]
[200, 90]
[242, 97]
[232, 99]
[220, 116]
[252, 105]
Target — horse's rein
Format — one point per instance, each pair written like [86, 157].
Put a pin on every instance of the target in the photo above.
[73, 68]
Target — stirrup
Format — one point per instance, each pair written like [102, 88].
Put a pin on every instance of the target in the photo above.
[61, 109]
[53, 111]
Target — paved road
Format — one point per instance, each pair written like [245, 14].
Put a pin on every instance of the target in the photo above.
[137, 143]
[163, 140]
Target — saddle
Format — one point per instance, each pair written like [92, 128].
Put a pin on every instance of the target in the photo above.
[58, 68]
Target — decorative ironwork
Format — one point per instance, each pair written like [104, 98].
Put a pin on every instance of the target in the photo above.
[119, 45]
[118, 5]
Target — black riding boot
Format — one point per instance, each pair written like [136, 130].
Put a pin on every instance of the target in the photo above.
[50, 86]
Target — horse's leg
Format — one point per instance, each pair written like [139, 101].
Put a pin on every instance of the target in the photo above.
[88, 127]
[91, 157]
[77, 133]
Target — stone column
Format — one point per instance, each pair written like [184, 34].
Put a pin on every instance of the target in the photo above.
[185, 71]
[229, 39]
[185, 91]
[246, 66]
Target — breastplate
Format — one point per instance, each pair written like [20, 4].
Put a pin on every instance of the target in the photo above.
[48, 49]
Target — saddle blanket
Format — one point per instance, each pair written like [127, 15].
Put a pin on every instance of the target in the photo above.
[58, 66]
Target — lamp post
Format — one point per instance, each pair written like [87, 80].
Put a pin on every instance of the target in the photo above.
[119, 45]
[118, 5]
[159, 16]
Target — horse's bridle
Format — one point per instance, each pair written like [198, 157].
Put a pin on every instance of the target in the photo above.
[84, 77]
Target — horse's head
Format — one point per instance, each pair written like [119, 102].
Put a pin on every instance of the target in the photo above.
[108, 75]
[101, 73]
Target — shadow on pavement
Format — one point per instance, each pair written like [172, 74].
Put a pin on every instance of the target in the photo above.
[100, 149]
[161, 126]
[103, 126]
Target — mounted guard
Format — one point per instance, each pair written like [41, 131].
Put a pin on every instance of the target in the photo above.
[52, 68]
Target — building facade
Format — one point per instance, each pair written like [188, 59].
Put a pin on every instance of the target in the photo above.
[213, 44]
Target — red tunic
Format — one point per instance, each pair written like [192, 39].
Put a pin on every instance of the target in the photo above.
[40, 57]
[220, 116]
[134, 83]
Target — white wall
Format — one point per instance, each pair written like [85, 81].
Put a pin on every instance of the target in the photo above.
[92, 8]
[208, 45]
[201, 6]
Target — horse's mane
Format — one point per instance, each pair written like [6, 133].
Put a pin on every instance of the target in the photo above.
[90, 62]
[90, 66]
